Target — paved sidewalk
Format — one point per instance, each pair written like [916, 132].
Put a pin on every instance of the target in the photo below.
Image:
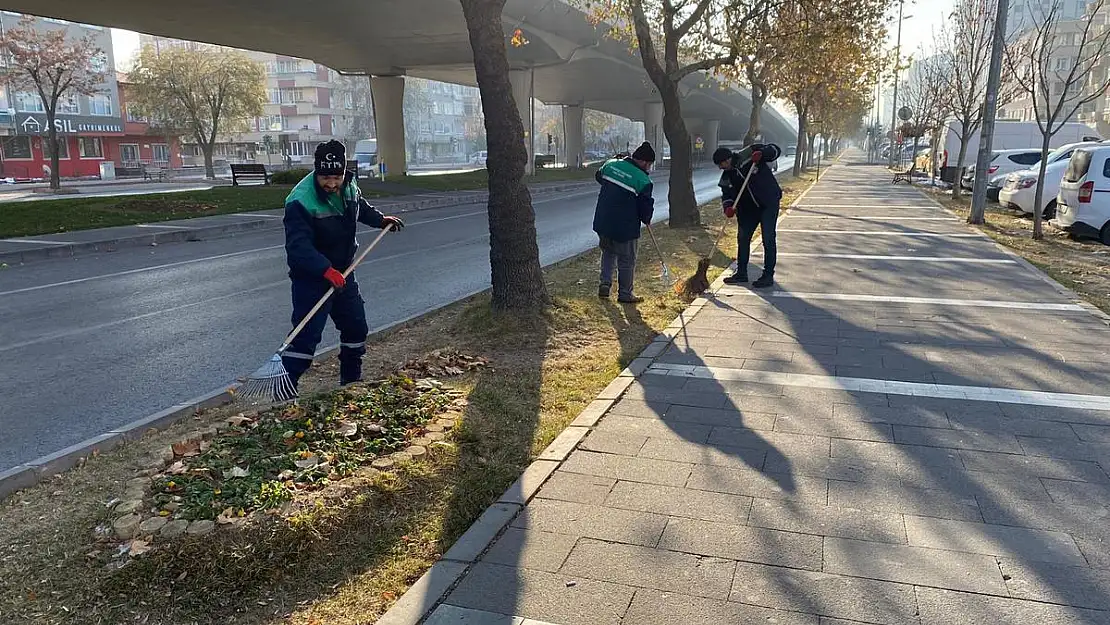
[913, 427]
[19, 250]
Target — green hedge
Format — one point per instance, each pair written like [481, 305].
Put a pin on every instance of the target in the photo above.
[289, 176]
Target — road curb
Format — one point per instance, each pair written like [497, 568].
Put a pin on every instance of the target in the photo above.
[231, 229]
[416, 609]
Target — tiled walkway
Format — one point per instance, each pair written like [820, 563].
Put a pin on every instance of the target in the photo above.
[913, 427]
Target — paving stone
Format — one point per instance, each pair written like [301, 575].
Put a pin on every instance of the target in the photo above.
[1055, 413]
[773, 442]
[540, 595]
[453, 615]
[576, 487]
[681, 502]
[576, 519]
[861, 524]
[794, 406]
[947, 607]
[1077, 586]
[1080, 493]
[738, 542]
[824, 594]
[845, 469]
[626, 468]
[835, 429]
[681, 397]
[1093, 433]
[903, 415]
[753, 483]
[903, 500]
[637, 408]
[1034, 466]
[1068, 450]
[654, 428]
[653, 607]
[423, 594]
[914, 565]
[734, 388]
[697, 453]
[1095, 548]
[957, 439]
[1062, 517]
[482, 532]
[997, 540]
[644, 567]
[532, 549]
[728, 417]
[894, 453]
[1009, 425]
[613, 442]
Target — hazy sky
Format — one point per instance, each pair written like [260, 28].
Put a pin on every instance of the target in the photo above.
[921, 18]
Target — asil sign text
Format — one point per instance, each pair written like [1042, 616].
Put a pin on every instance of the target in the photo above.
[27, 124]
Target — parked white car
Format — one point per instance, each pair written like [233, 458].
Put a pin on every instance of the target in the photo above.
[1020, 190]
[1083, 204]
[1003, 163]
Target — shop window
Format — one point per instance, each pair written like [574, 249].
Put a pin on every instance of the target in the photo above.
[27, 102]
[63, 147]
[17, 147]
[90, 147]
[100, 104]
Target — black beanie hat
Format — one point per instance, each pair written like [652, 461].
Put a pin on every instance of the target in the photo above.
[721, 155]
[644, 153]
[331, 159]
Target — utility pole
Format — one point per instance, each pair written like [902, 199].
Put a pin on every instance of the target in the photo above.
[897, 62]
[990, 110]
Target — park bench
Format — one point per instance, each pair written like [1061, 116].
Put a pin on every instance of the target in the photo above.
[154, 172]
[249, 171]
[906, 175]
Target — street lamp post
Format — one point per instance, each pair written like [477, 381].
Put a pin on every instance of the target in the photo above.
[990, 108]
[897, 62]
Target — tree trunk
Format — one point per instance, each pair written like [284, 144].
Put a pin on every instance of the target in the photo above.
[959, 175]
[759, 97]
[680, 195]
[1038, 201]
[799, 154]
[52, 139]
[514, 255]
[209, 169]
[812, 139]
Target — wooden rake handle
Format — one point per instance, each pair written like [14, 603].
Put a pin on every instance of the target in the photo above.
[316, 308]
[743, 187]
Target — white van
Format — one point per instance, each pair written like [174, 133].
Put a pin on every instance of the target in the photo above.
[1083, 204]
[1008, 135]
[366, 153]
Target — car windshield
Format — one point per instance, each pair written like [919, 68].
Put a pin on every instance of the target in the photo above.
[364, 158]
[1058, 153]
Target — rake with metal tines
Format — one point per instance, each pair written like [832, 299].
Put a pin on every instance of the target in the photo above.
[271, 382]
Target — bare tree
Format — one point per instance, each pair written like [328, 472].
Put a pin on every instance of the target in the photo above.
[514, 254]
[52, 66]
[964, 44]
[1054, 62]
[924, 93]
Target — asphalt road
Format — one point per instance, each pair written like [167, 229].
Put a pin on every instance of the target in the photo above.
[93, 343]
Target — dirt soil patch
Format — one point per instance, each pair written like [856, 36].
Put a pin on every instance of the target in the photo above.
[1081, 265]
[341, 548]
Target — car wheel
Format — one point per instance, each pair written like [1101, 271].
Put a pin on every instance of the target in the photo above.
[1105, 234]
[1050, 210]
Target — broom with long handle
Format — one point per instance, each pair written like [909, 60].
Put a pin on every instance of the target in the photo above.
[271, 381]
[666, 277]
[699, 282]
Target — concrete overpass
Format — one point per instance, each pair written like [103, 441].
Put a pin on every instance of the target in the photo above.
[567, 61]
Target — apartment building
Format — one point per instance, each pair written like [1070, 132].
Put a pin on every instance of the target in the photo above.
[90, 128]
[308, 103]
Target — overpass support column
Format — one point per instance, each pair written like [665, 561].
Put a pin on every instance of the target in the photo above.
[388, 94]
[712, 135]
[576, 135]
[521, 82]
[653, 129]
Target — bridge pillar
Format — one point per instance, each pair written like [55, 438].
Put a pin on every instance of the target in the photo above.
[653, 129]
[576, 135]
[388, 94]
[521, 81]
[711, 136]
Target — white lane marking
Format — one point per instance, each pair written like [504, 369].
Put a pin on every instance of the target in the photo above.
[891, 387]
[872, 217]
[232, 254]
[37, 241]
[923, 259]
[894, 299]
[900, 206]
[109, 324]
[884, 233]
[164, 226]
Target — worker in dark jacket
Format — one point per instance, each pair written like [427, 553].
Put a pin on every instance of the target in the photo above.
[623, 203]
[321, 216]
[758, 207]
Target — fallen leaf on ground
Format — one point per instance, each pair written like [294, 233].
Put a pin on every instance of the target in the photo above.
[235, 472]
[239, 419]
[138, 548]
[186, 449]
[177, 468]
[347, 428]
[305, 463]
